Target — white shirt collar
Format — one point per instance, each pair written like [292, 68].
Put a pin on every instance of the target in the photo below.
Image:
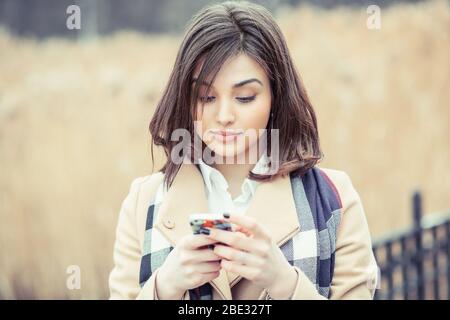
[212, 176]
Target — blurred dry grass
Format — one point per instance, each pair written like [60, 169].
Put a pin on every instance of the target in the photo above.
[74, 117]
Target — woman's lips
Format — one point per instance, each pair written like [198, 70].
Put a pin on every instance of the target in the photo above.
[225, 136]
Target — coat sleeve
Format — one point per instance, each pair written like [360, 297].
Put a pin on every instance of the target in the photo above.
[355, 272]
[124, 277]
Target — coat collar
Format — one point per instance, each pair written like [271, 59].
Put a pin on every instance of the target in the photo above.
[272, 205]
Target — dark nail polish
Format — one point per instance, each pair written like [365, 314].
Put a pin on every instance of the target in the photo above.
[226, 215]
[205, 231]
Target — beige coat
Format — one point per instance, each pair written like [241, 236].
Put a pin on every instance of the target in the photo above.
[355, 267]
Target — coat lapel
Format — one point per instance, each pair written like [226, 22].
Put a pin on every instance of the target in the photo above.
[272, 205]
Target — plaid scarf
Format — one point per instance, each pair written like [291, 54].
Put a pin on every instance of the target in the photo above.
[318, 208]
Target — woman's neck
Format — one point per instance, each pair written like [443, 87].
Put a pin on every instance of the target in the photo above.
[235, 173]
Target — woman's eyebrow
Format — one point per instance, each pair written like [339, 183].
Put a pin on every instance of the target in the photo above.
[240, 84]
[236, 85]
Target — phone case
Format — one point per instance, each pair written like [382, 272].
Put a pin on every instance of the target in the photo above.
[208, 220]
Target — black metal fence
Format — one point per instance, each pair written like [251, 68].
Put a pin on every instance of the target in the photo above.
[415, 263]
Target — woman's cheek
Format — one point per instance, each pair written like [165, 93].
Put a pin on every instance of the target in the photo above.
[205, 125]
[199, 113]
[258, 116]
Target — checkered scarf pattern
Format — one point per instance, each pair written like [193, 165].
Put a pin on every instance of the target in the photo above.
[319, 211]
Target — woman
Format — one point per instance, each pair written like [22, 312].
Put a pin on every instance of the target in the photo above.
[299, 231]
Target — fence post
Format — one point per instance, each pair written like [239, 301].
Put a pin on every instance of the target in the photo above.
[417, 216]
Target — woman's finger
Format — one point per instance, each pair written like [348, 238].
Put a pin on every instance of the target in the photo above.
[233, 239]
[238, 256]
[207, 267]
[195, 241]
[206, 255]
[248, 224]
[243, 270]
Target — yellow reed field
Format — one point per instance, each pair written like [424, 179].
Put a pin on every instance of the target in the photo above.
[74, 131]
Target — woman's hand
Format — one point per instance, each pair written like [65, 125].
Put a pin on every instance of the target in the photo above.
[251, 253]
[189, 265]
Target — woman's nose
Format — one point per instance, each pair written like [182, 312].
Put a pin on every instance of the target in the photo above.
[225, 114]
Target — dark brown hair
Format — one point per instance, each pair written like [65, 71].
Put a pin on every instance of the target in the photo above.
[215, 34]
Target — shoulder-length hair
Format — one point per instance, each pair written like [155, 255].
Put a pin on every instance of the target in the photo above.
[214, 34]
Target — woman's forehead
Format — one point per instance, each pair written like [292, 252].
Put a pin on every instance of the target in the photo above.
[234, 70]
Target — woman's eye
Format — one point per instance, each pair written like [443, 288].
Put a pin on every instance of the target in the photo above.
[246, 99]
[241, 99]
[206, 99]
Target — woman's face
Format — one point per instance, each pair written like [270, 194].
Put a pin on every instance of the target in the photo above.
[236, 108]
